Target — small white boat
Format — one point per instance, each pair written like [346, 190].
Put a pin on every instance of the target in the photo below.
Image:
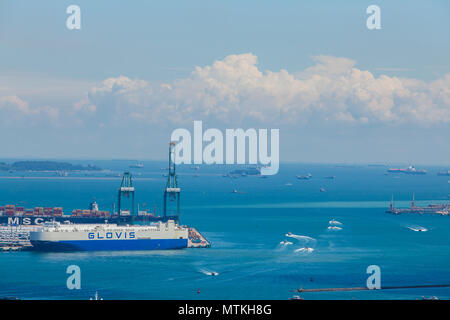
[305, 249]
[418, 229]
[334, 228]
[334, 222]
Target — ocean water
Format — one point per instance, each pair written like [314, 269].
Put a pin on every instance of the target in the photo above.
[245, 230]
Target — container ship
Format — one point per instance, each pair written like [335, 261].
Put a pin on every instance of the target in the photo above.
[19, 215]
[54, 236]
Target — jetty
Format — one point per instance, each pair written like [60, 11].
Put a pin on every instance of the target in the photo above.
[439, 209]
[197, 240]
[15, 238]
[365, 288]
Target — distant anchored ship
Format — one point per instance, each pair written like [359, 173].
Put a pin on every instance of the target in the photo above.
[410, 170]
[305, 177]
[444, 173]
[251, 171]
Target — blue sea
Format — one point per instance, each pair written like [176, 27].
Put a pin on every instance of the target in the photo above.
[245, 230]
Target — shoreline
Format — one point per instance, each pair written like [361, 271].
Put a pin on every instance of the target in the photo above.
[69, 178]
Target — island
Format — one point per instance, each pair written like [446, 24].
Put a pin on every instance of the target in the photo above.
[46, 166]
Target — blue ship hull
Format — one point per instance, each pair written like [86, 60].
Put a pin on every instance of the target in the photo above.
[110, 245]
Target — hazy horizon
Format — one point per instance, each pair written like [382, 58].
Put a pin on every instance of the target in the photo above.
[385, 164]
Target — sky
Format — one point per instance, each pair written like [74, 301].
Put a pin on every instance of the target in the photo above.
[135, 71]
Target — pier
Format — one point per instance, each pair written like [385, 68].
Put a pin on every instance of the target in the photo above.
[365, 288]
[439, 209]
[15, 238]
[197, 240]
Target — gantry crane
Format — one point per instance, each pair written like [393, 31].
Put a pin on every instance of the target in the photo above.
[172, 191]
[126, 189]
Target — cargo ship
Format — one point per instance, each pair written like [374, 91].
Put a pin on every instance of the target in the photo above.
[19, 215]
[54, 236]
[410, 170]
[306, 177]
[251, 171]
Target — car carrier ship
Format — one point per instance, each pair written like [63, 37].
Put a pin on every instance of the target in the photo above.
[54, 236]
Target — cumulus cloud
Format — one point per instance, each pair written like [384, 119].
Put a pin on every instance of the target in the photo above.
[14, 104]
[13, 108]
[235, 89]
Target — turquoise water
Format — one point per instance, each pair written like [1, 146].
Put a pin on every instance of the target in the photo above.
[245, 230]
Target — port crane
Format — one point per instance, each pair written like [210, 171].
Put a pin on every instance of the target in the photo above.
[172, 191]
[126, 190]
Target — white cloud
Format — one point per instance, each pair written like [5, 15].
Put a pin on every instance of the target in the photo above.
[13, 108]
[234, 89]
[14, 104]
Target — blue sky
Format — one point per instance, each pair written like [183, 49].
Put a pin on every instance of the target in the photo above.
[296, 57]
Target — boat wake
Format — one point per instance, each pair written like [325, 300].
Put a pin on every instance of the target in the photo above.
[209, 273]
[303, 244]
[417, 229]
[299, 237]
[334, 222]
[334, 228]
[285, 243]
[304, 250]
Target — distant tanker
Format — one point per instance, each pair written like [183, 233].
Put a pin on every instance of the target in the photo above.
[409, 170]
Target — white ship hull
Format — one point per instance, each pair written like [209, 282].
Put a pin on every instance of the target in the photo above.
[56, 237]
